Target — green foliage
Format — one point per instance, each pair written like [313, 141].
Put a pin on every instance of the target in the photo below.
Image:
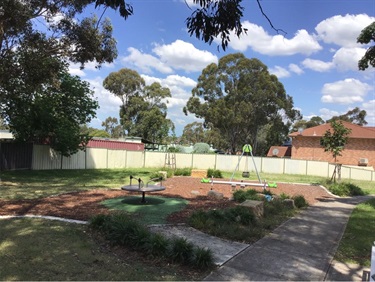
[216, 173]
[143, 111]
[246, 194]
[203, 258]
[122, 230]
[201, 148]
[366, 37]
[355, 116]
[345, 189]
[247, 105]
[180, 250]
[183, 171]
[284, 196]
[53, 113]
[300, 201]
[112, 127]
[335, 141]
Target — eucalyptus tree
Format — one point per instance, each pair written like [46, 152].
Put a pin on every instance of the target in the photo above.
[143, 112]
[367, 36]
[238, 97]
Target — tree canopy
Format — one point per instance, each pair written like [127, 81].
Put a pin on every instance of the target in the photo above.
[239, 97]
[367, 36]
[356, 116]
[143, 112]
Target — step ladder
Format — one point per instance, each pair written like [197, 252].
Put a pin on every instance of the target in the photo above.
[170, 160]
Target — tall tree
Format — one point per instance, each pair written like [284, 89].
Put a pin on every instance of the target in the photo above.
[33, 66]
[367, 36]
[356, 116]
[193, 133]
[335, 141]
[314, 121]
[238, 97]
[52, 113]
[112, 127]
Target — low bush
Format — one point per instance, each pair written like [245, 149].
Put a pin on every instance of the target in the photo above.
[122, 230]
[345, 189]
[183, 171]
[300, 201]
[216, 173]
[246, 194]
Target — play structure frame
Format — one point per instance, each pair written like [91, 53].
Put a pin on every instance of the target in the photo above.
[245, 149]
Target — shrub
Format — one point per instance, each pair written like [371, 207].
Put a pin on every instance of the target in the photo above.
[284, 196]
[198, 219]
[345, 189]
[157, 245]
[241, 215]
[201, 148]
[243, 195]
[183, 171]
[99, 221]
[300, 201]
[202, 258]
[181, 250]
[216, 173]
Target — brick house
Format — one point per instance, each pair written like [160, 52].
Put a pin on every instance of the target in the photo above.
[359, 151]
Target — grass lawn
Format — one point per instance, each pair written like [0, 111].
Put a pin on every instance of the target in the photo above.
[38, 249]
[355, 246]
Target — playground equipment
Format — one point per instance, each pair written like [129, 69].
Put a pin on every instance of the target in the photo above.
[142, 188]
[246, 150]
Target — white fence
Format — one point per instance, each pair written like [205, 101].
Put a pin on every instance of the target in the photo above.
[93, 158]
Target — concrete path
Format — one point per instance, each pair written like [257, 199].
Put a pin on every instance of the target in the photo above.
[300, 249]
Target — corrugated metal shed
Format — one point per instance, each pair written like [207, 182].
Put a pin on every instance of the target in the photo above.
[119, 145]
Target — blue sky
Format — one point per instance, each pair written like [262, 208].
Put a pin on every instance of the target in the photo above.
[316, 60]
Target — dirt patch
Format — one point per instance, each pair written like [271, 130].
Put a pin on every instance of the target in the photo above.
[83, 205]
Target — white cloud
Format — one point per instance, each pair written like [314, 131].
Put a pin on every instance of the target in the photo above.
[280, 72]
[317, 65]
[260, 41]
[347, 59]
[346, 91]
[145, 62]
[183, 55]
[109, 103]
[327, 114]
[369, 107]
[296, 69]
[343, 30]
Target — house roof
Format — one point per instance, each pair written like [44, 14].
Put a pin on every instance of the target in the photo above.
[357, 131]
[279, 151]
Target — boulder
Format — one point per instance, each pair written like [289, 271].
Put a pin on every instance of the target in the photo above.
[256, 207]
[289, 203]
[212, 194]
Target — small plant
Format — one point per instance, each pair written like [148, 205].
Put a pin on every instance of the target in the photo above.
[243, 195]
[181, 250]
[300, 201]
[183, 171]
[202, 258]
[216, 173]
[284, 196]
[345, 189]
[157, 245]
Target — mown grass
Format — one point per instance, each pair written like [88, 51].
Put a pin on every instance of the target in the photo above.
[36, 184]
[31, 184]
[45, 250]
[355, 245]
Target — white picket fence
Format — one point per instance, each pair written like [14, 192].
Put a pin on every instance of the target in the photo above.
[45, 158]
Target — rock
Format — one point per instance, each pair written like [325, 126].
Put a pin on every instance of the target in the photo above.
[194, 192]
[289, 203]
[256, 207]
[212, 194]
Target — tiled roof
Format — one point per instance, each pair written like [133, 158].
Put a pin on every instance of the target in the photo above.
[281, 151]
[357, 131]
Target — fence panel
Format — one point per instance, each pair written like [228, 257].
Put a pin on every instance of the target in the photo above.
[96, 158]
[201, 161]
[76, 161]
[135, 159]
[184, 160]
[44, 157]
[157, 159]
[116, 159]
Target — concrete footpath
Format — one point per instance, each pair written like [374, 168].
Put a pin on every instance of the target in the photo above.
[301, 249]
